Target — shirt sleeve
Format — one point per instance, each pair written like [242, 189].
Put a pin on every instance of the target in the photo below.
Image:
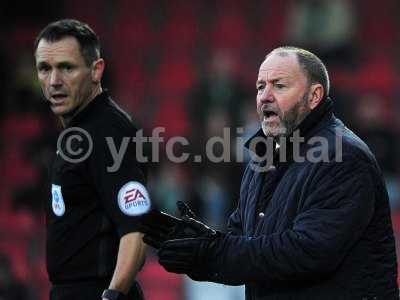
[119, 177]
[336, 212]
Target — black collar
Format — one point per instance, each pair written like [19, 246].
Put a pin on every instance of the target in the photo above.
[315, 120]
[84, 113]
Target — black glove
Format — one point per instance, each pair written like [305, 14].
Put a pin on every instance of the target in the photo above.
[185, 244]
[159, 227]
[191, 256]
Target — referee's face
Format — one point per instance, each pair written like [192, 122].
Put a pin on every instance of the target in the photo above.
[66, 80]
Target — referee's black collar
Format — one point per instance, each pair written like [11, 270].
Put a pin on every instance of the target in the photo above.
[90, 107]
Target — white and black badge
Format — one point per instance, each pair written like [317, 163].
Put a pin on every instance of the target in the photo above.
[133, 199]
[57, 201]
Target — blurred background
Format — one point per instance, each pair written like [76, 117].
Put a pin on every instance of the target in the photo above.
[191, 67]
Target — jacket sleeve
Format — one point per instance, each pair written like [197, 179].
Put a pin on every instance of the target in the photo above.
[235, 222]
[337, 210]
[235, 225]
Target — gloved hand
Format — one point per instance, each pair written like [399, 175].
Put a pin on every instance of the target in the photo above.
[191, 256]
[185, 244]
[159, 227]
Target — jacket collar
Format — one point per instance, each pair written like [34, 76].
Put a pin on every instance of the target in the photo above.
[314, 121]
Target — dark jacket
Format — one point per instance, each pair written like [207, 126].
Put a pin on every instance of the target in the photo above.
[312, 229]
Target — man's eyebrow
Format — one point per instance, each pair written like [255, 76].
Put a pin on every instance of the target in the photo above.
[64, 64]
[278, 79]
[60, 64]
[42, 64]
[260, 81]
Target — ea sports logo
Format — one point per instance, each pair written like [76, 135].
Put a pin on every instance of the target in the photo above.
[133, 199]
[133, 195]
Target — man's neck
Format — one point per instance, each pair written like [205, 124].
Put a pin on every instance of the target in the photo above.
[66, 119]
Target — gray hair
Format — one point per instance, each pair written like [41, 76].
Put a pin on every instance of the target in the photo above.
[313, 67]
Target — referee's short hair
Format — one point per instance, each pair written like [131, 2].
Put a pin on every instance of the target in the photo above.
[314, 69]
[88, 40]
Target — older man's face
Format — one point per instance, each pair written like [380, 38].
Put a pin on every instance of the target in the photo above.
[65, 78]
[282, 94]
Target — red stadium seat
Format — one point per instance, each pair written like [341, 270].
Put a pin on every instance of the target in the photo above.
[175, 77]
[171, 114]
[21, 127]
[158, 284]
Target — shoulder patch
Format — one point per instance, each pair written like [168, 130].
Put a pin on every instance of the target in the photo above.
[133, 199]
[57, 201]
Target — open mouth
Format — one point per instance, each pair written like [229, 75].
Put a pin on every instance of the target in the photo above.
[269, 115]
[59, 97]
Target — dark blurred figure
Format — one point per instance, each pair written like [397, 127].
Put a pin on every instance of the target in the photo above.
[219, 90]
[10, 287]
[328, 27]
[372, 123]
[213, 104]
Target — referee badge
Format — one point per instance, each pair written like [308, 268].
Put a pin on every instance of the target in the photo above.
[57, 202]
[133, 199]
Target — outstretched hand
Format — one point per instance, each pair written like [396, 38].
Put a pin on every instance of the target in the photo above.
[159, 227]
[184, 243]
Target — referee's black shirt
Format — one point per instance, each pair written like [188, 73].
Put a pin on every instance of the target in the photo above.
[90, 208]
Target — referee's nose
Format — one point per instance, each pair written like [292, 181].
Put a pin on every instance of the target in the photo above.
[55, 79]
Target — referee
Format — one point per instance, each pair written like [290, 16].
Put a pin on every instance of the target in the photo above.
[93, 248]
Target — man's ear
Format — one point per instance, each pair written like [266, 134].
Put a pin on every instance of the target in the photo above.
[316, 95]
[97, 70]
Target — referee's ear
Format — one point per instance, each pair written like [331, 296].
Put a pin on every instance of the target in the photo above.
[97, 70]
